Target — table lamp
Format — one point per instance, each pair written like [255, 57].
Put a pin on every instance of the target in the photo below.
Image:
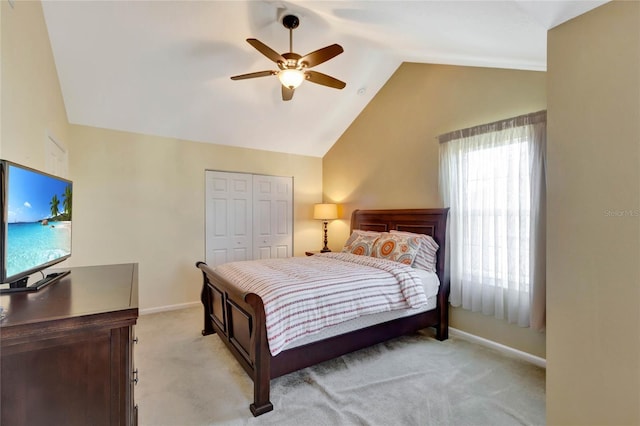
[325, 212]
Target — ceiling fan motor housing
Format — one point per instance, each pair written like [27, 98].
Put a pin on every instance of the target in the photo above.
[290, 22]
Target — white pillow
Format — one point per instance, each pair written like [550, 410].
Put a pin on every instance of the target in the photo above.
[426, 256]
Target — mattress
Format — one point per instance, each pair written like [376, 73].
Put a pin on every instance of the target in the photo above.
[431, 284]
[304, 295]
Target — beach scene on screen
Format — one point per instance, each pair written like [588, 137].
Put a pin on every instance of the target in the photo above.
[38, 220]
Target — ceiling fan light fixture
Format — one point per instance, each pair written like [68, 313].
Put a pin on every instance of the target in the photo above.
[291, 78]
[294, 68]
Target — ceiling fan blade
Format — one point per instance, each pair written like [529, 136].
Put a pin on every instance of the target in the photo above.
[321, 55]
[253, 75]
[325, 80]
[287, 93]
[266, 50]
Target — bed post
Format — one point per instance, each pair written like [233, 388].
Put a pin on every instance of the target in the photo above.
[206, 303]
[442, 329]
[261, 356]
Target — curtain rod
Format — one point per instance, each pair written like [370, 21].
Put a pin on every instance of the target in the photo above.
[521, 120]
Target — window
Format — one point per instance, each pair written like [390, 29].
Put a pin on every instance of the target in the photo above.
[491, 212]
[492, 179]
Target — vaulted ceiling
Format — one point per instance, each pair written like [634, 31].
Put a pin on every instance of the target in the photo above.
[163, 67]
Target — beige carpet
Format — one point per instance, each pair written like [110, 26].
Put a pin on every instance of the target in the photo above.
[188, 379]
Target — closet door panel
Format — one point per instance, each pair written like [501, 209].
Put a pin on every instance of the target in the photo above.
[273, 217]
[247, 217]
[262, 226]
[228, 217]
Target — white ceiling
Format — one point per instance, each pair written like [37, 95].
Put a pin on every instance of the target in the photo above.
[163, 67]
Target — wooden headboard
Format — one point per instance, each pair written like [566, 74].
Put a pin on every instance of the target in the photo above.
[432, 222]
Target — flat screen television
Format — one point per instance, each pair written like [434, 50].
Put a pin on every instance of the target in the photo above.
[36, 226]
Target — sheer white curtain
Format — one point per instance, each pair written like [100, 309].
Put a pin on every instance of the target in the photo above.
[493, 179]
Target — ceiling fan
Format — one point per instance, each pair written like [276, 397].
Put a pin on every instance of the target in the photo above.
[293, 68]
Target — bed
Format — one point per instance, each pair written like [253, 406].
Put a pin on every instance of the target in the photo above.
[238, 317]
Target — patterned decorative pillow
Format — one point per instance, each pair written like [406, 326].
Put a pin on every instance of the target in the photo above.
[426, 256]
[357, 232]
[362, 244]
[397, 247]
[354, 236]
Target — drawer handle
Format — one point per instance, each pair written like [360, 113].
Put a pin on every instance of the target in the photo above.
[135, 376]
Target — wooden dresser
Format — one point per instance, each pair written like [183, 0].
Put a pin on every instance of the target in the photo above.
[67, 350]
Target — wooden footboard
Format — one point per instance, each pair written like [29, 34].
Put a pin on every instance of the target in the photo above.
[239, 318]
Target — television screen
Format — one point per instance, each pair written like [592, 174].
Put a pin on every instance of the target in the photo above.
[36, 221]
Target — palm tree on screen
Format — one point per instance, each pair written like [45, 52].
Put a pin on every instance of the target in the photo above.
[55, 204]
[66, 203]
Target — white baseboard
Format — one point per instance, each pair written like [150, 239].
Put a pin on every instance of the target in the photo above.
[540, 362]
[155, 310]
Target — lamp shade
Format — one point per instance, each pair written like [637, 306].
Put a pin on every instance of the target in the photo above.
[325, 211]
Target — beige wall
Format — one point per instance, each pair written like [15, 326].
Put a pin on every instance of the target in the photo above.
[388, 157]
[31, 101]
[140, 199]
[593, 272]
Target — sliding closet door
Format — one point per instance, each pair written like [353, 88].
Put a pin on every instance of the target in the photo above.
[272, 217]
[247, 217]
[229, 217]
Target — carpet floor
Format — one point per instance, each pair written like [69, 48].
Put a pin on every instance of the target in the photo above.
[188, 379]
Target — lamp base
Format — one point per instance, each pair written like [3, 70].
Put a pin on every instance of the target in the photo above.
[326, 247]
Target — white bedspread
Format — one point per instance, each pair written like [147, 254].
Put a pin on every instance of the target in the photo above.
[303, 295]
